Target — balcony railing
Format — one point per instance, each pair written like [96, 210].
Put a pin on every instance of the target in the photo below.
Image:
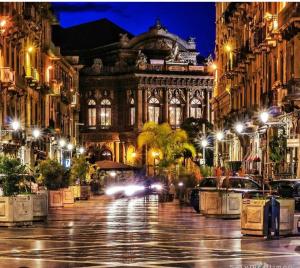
[55, 88]
[289, 14]
[7, 76]
[32, 74]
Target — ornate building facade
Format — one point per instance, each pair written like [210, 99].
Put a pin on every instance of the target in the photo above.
[257, 46]
[129, 80]
[38, 85]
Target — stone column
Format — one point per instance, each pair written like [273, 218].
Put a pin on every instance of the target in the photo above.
[208, 106]
[187, 104]
[139, 109]
[117, 151]
[145, 107]
[165, 116]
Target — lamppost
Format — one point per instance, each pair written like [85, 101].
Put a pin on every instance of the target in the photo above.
[154, 155]
[204, 144]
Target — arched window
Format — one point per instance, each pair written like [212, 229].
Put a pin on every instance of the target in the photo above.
[132, 111]
[91, 113]
[196, 108]
[153, 110]
[105, 113]
[175, 112]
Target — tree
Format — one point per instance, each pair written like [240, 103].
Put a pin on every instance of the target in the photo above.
[53, 174]
[79, 169]
[12, 171]
[194, 128]
[172, 144]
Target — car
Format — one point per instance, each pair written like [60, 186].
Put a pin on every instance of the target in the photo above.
[289, 188]
[231, 183]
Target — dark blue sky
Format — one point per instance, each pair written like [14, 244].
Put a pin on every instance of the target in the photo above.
[184, 19]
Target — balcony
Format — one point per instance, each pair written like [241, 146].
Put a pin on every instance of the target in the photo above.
[32, 76]
[55, 88]
[289, 20]
[7, 76]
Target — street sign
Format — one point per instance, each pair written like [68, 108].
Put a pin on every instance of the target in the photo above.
[68, 163]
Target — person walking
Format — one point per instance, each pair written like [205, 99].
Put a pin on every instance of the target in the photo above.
[172, 192]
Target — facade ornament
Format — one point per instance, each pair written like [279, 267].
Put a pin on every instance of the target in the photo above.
[209, 60]
[141, 60]
[124, 39]
[97, 66]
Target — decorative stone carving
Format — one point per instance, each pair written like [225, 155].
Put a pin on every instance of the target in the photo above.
[141, 60]
[124, 39]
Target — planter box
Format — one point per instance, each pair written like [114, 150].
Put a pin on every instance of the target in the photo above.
[221, 204]
[67, 196]
[55, 198]
[16, 210]
[252, 216]
[81, 191]
[40, 206]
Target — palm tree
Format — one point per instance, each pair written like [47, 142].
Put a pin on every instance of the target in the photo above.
[171, 144]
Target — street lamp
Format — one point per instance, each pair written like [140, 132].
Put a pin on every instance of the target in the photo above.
[36, 133]
[239, 128]
[15, 125]
[70, 146]
[81, 150]
[220, 135]
[62, 143]
[204, 144]
[264, 117]
[154, 154]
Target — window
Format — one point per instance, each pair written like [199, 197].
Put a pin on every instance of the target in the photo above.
[132, 112]
[175, 113]
[91, 113]
[105, 113]
[153, 110]
[196, 108]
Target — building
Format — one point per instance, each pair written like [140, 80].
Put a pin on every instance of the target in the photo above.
[38, 85]
[257, 46]
[128, 80]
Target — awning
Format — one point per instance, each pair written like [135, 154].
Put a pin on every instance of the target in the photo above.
[111, 165]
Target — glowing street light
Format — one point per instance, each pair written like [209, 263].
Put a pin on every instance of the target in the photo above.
[228, 48]
[155, 154]
[133, 154]
[30, 49]
[220, 136]
[204, 143]
[239, 128]
[264, 117]
[214, 66]
[81, 150]
[15, 125]
[36, 133]
[62, 143]
[70, 146]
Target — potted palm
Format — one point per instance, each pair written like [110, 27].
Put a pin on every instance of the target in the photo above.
[79, 171]
[52, 175]
[15, 208]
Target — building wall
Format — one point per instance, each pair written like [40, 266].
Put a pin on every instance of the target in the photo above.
[256, 48]
[37, 83]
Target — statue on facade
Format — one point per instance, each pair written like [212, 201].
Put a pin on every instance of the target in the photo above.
[209, 60]
[124, 39]
[97, 66]
[175, 55]
[141, 59]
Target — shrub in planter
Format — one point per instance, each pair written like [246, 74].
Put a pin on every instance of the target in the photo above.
[14, 209]
[53, 175]
[78, 174]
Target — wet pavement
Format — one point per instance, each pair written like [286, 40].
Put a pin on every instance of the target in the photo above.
[140, 232]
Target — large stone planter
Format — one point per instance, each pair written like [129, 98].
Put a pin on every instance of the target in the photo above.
[67, 196]
[222, 204]
[16, 210]
[55, 198]
[252, 216]
[81, 191]
[40, 206]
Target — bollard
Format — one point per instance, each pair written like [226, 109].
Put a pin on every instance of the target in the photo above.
[272, 219]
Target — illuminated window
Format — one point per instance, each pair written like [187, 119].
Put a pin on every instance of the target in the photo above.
[105, 113]
[175, 112]
[153, 110]
[196, 108]
[132, 112]
[91, 113]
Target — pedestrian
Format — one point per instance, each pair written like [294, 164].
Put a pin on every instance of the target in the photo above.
[172, 192]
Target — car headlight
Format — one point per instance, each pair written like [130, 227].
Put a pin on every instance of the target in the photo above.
[156, 186]
[132, 189]
[114, 190]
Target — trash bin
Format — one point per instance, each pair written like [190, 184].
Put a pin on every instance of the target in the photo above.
[194, 199]
[272, 219]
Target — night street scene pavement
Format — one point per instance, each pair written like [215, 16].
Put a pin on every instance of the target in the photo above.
[140, 232]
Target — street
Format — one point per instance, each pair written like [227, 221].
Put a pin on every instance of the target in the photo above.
[139, 232]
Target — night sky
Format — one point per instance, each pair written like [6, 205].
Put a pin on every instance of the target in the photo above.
[184, 19]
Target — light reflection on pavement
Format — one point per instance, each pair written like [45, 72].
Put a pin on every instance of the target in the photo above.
[139, 232]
